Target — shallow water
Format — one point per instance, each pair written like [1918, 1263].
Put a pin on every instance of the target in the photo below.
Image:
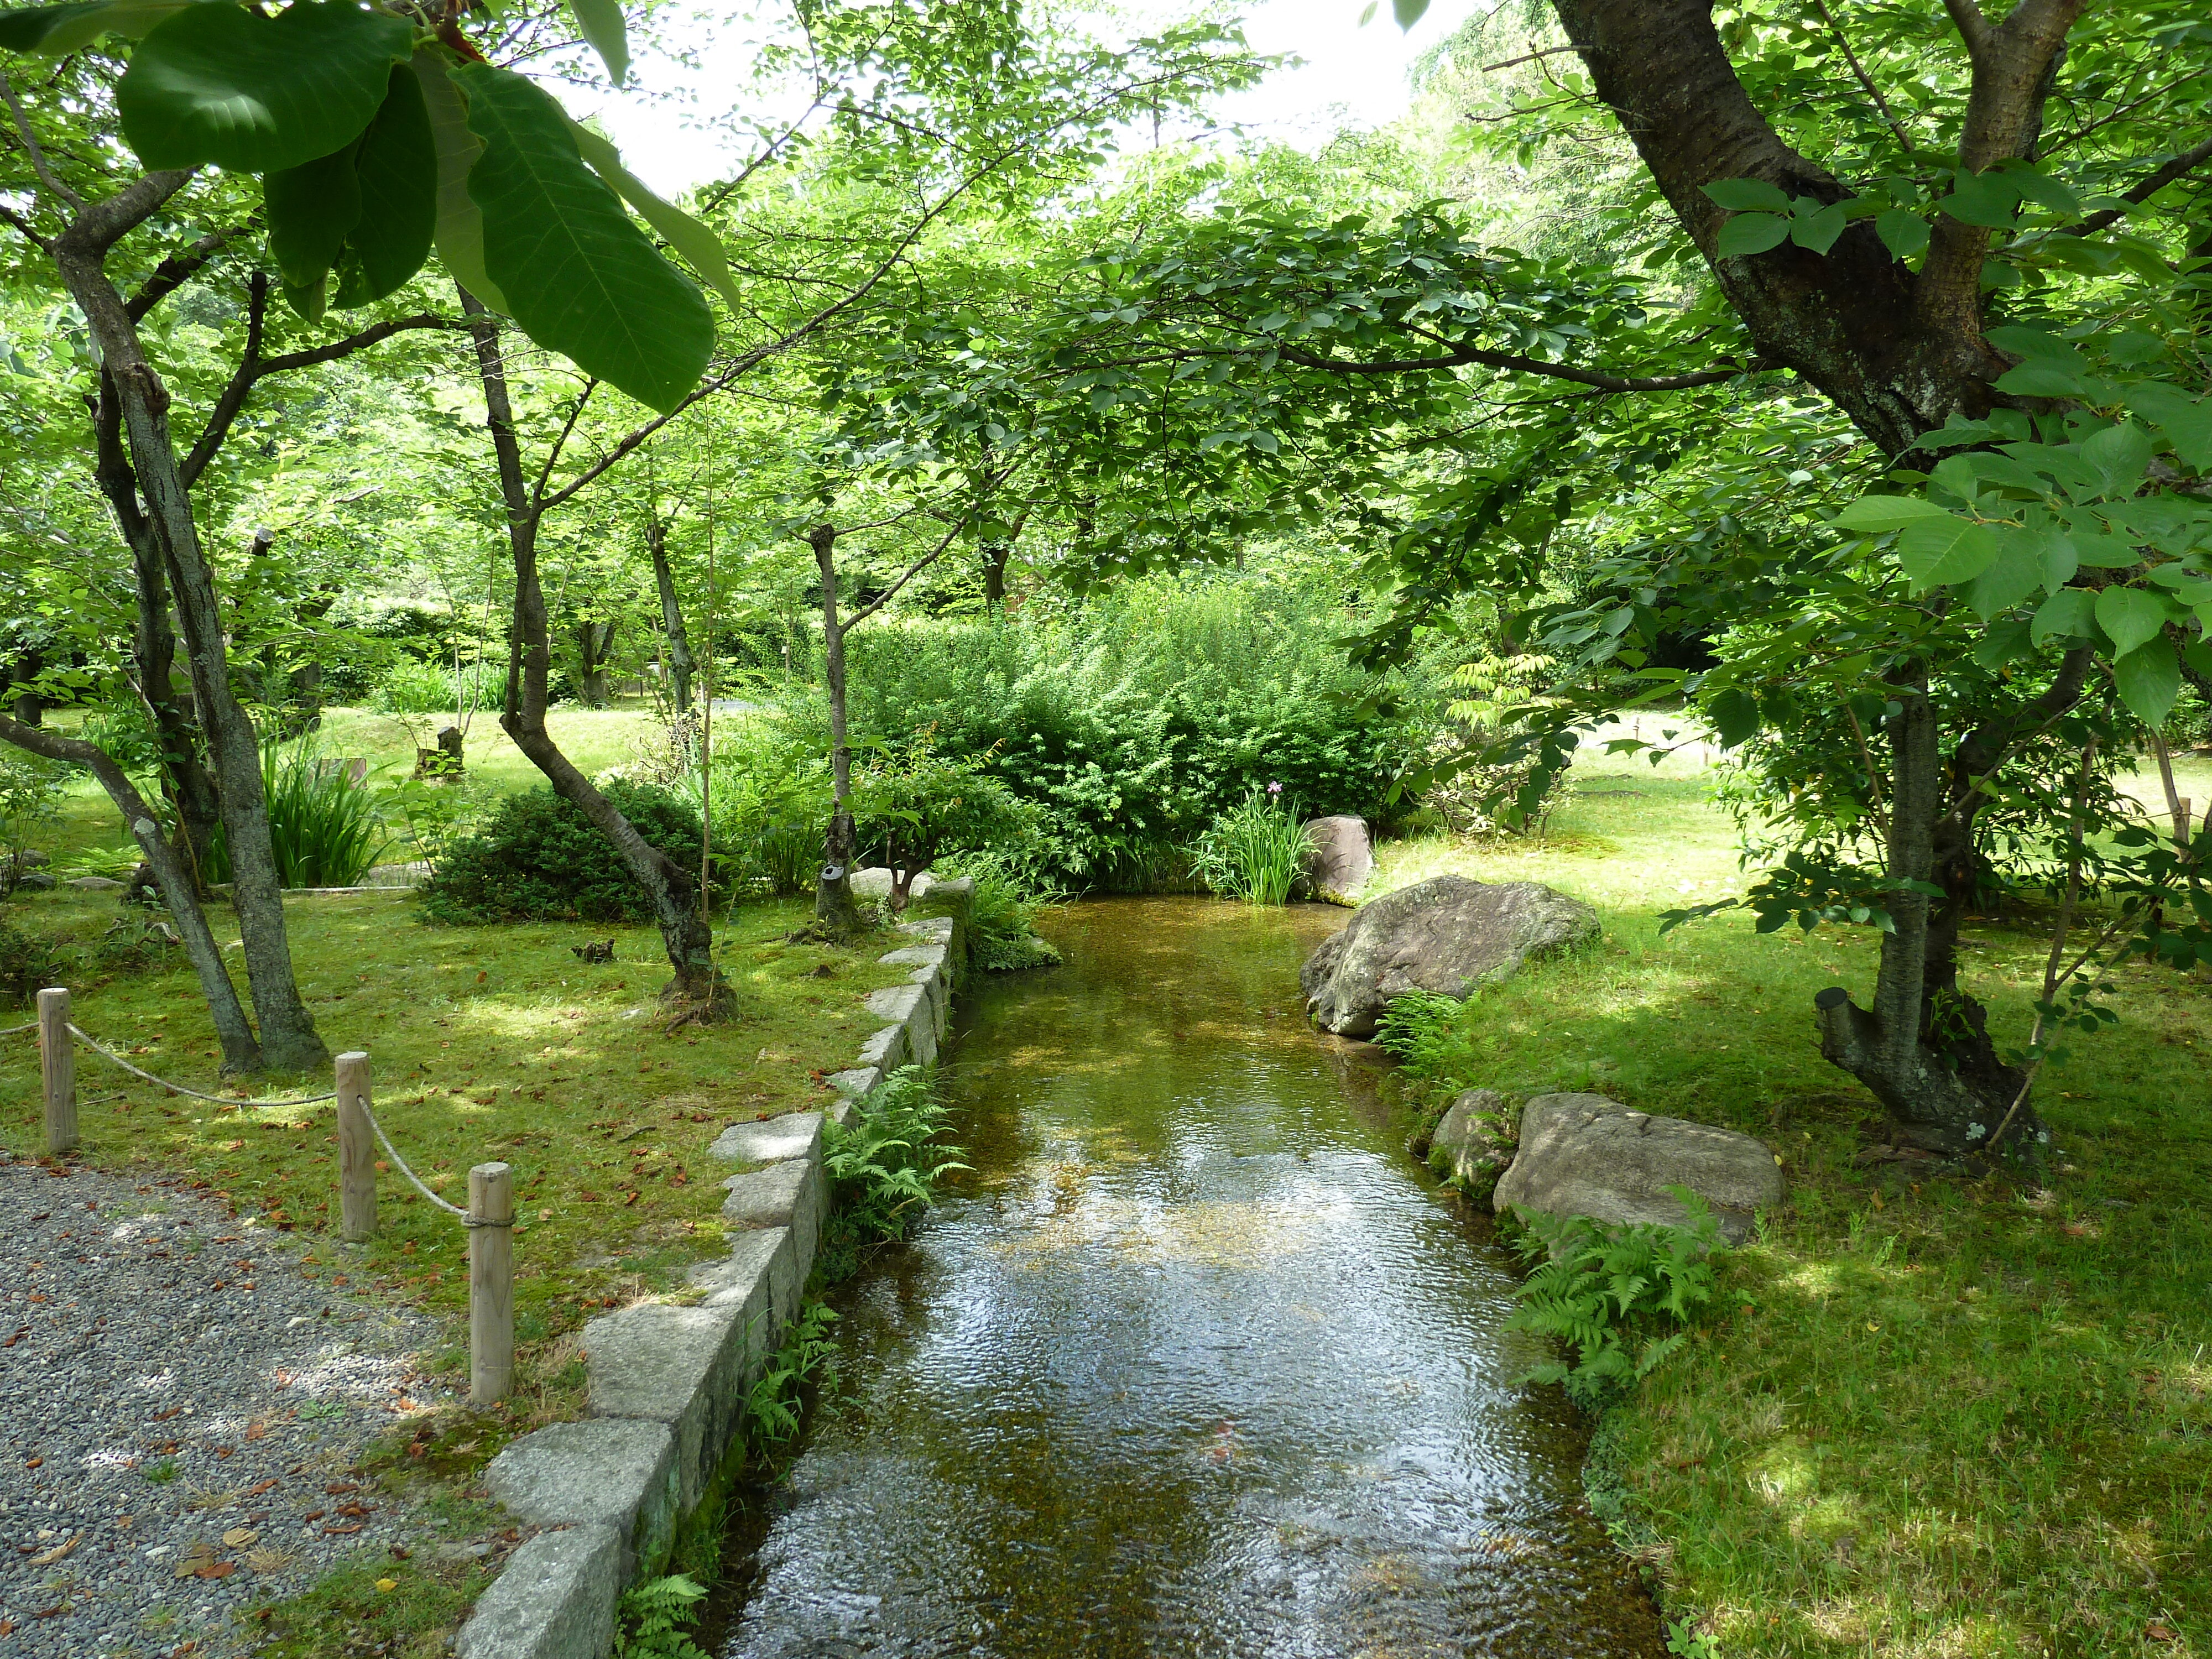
[1196, 1362]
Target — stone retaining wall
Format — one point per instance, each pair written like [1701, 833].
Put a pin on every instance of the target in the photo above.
[668, 1383]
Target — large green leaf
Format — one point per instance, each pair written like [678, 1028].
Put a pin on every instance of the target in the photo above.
[311, 209]
[2129, 616]
[58, 30]
[1937, 552]
[459, 233]
[1903, 232]
[2186, 420]
[601, 21]
[1750, 232]
[1873, 514]
[2016, 572]
[697, 244]
[397, 166]
[2119, 454]
[219, 85]
[579, 276]
[2070, 613]
[1748, 195]
[2149, 681]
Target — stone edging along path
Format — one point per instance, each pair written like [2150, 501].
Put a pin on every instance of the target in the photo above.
[668, 1383]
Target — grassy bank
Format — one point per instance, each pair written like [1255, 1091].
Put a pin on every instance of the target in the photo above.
[490, 1042]
[1934, 1417]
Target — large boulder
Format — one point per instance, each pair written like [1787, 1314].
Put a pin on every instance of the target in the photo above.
[1448, 935]
[1586, 1155]
[1340, 858]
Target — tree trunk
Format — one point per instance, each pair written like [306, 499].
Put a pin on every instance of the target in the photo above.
[30, 706]
[240, 1052]
[593, 641]
[680, 664]
[686, 929]
[834, 911]
[288, 1039]
[1899, 352]
[995, 579]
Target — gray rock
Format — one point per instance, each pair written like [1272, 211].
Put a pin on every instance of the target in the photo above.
[555, 1599]
[770, 1140]
[912, 1007]
[780, 1195]
[747, 1282]
[1340, 858]
[1474, 1143]
[93, 885]
[35, 881]
[886, 1051]
[875, 883]
[916, 955]
[617, 1472]
[1448, 935]
[854, 1082]
[1585, 1155]
[31, 859]
[682, 1366]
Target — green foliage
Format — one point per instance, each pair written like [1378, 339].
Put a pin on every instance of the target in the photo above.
[912, 803]
[111, 863]
[411, 686]
[1425, 1032]
[29, 790]
[438, 813]
[29, 962]
[1002, 915]
[324, 828]
[1129, 725]
[537, 858]
[1256, 850]
[1611, 1294]
[653, 1619]
[775, 1405]
[772, 802]
[885, 1164]
[137, 942]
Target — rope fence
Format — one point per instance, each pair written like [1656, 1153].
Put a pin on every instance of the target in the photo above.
[489, 1219]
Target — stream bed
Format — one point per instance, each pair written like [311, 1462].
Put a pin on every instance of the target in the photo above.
[1196, 1362]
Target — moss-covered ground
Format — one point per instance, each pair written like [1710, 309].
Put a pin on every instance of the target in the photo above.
[1934, 1416]
[485, 1043]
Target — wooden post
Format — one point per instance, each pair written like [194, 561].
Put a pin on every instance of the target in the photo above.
[357, 1152]
[57, 1069]
[491, 1284]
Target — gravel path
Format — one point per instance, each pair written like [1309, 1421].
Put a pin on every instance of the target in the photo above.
[180, 1405]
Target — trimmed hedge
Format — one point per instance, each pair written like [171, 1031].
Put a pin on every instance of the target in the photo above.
[537, 858]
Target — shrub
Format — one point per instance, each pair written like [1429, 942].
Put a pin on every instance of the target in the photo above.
[28, 963]
[912, 804]
[653, 1620]
[324, 828]
[407, 686]
[883, 1164]
[772, 800]
[29, 789]
[136, 943]
[537, 858]
[1256, 850]
[1597, 1289]
[1001, 920]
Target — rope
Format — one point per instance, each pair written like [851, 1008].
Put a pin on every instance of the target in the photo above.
[18, 1030]
[178, 1088]
[467, 1221]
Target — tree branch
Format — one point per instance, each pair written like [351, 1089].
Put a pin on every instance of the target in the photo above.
[1866, 82]
[1464, 357]
[47, 177]
[254, 368]
[2153, 182]
[891, 592]
[1973, 27]
[173, 272]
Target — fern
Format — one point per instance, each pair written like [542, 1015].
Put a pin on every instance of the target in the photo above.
[1605, 1293]
[774, 1405]
[655, 1618]
[885, 1165]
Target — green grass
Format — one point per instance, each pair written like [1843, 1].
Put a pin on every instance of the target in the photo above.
[490, 1042]
[1935, 1417]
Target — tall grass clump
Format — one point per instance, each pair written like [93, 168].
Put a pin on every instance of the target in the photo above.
[324, 829]
[1256, 850]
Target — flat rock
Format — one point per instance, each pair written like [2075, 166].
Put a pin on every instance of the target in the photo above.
[94, 884]
[616, 1471]
[1340, 858]
[1585, 1155]
[886, 1051]
[1447, 935]
[770, 1140]
[854, 1082]
[780, 1195]
[756, 1282]
[875, 883]
[555, 1599]
[682, 1366]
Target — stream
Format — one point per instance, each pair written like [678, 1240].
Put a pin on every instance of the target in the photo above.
[1196, 1362]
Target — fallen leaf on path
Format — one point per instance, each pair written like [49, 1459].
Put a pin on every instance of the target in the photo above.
[47, 1558]
[239, 1537]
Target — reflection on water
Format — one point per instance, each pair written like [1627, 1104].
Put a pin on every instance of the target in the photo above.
[1194, 1365]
